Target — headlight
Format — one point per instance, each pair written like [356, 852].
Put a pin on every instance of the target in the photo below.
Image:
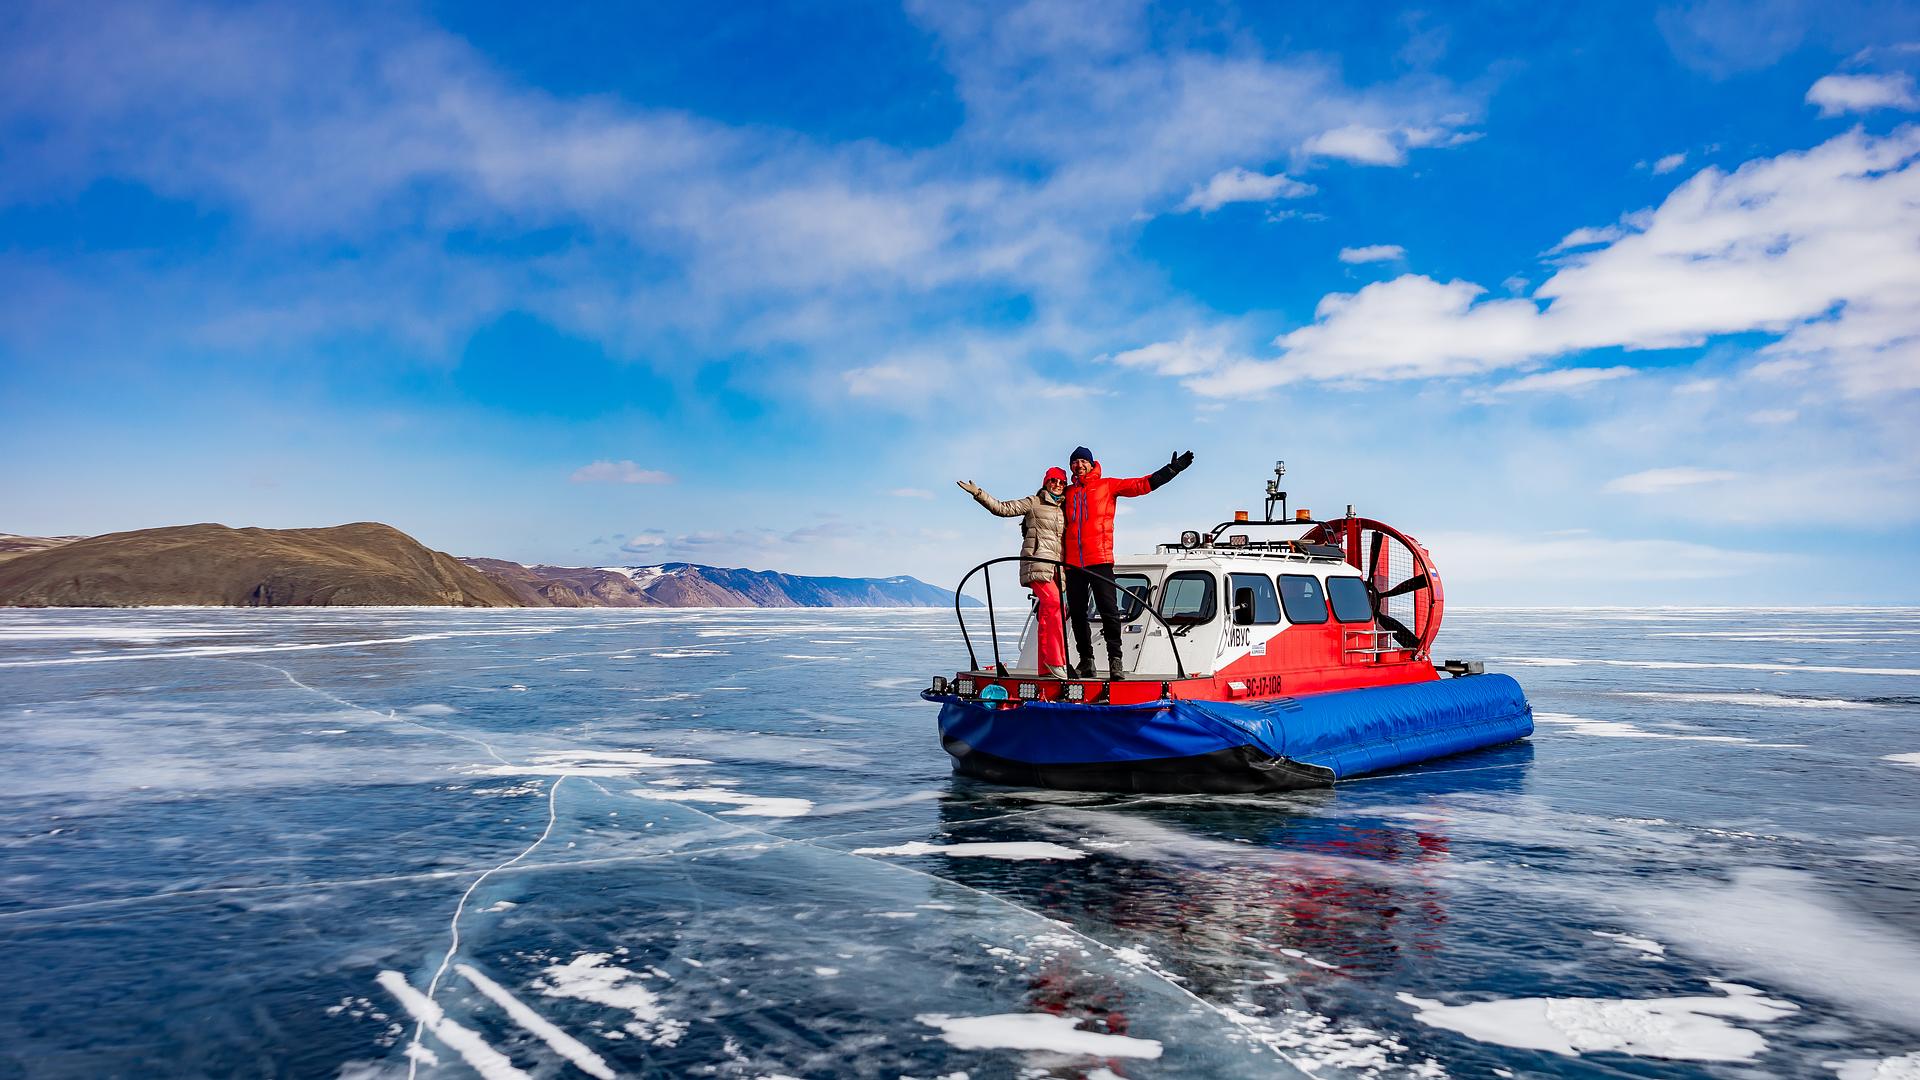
[1029, 691]
[963, 687]
[1076, 692]
[939, 684]
[1190, 539]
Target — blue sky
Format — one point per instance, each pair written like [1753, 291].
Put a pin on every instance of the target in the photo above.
[1619, 304]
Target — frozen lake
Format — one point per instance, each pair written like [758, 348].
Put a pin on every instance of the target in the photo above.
[726, 843]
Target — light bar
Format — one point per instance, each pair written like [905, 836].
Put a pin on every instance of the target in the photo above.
[939, 684]
[1237, 540]
[1076, 692]
[963, 687]
[1029, 691]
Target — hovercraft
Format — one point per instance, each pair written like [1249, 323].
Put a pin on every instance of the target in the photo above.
[1252, 660]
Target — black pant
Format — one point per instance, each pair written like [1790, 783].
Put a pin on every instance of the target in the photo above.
[1079, 583]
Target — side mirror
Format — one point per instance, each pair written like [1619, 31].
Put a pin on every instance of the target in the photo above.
[1242, 607]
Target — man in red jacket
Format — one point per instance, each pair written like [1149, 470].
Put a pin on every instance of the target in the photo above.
[1089, 549]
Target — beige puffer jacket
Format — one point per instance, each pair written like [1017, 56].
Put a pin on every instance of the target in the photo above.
[1042, 529]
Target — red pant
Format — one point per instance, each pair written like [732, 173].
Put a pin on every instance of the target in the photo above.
[1053, 631]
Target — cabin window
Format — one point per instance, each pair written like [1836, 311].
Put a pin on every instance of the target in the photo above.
[1349, 596]
[1266, 606]
[1187, 599]
[1133, 592]
[1303, 598]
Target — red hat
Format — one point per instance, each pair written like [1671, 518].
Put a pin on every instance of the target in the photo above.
[1055, 473]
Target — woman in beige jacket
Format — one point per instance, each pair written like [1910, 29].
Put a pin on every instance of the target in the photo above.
[1043, 525]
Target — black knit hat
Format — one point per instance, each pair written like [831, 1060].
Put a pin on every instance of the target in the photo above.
[1081, 452]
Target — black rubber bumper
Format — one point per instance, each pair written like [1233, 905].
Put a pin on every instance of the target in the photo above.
[1240, 770]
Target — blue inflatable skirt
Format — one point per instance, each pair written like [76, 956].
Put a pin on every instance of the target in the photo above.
[1275, 744]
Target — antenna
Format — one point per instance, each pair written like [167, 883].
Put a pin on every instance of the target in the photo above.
[1274, 494]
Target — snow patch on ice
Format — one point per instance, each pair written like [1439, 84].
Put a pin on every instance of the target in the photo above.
[1905, 1067]
[1011, 850]
[562, 1043]
[1676, 1028]
[1904, 759]
[588, 763]
[1765, 701]
[491, 1064]
[1640, 944]
[745, 805]
[1620, 729]
[589, 977]
[433, 710]
[1036, 1031]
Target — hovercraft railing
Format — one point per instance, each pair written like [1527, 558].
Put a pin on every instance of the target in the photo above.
[993, 626]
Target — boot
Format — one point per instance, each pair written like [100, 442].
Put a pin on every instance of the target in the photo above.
[1114, 663]
[1084, 669]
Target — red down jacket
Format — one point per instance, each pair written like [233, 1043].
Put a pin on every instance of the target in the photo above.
[1090, 503]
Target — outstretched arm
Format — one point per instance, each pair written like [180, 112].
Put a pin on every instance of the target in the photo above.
[993, 505]
[1170, 470]
[1140, 485]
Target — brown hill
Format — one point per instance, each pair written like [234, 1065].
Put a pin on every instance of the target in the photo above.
[364, 563]
[13, 545]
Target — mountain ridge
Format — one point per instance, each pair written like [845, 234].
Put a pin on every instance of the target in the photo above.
[369, 563]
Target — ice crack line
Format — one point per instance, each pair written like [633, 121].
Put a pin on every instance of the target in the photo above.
[453, 926]
[390, 714]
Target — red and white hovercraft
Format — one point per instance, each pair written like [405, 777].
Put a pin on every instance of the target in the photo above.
[1253, 660]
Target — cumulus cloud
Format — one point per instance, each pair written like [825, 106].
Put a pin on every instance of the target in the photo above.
[1817, 248]
[1663, 481]
[1373, 253]
[1669, 163]
[1840, 94]
[1238, 185]
[618, 472]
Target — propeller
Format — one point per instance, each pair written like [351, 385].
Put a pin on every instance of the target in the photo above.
[1377, 572]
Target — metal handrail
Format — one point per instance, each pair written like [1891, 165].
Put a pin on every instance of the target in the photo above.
[973, 660]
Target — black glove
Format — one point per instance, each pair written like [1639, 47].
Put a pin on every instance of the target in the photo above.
[1170, 470]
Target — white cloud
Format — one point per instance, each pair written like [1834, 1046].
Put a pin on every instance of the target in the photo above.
[1818, 247]
[910, 493]
[1773, 416]
[1838, 94]
[1363, 144]
[1237, 185]
[1670, 479]
[1191, 355]
[1669, 163]
[644, 541]
[1373, 253]
[618, 472]
[1360, 145]
[1563, 381]
[1588, 236]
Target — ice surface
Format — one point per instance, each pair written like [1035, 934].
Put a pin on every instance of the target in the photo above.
[1016, 851]
[1682, 1028]
[1036, 1031]
[474, 1050]
[226, 825]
